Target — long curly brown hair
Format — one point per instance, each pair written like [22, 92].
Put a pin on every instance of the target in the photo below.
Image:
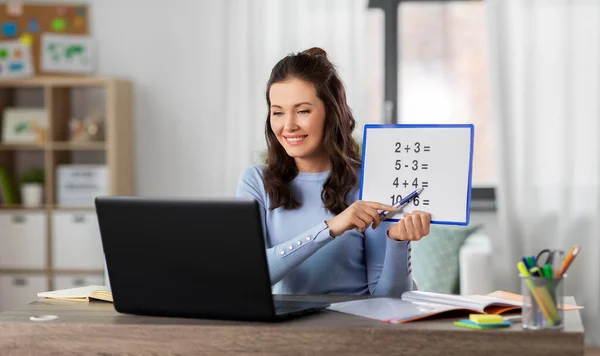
[313, 66]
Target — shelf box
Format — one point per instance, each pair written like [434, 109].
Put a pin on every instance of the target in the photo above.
[76, 241]
[23, 239]
[18, 290]
[79, 184]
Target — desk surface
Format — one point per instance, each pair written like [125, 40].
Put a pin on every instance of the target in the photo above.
[96, 328]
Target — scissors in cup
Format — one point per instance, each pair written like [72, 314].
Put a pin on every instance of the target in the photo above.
[553, 258]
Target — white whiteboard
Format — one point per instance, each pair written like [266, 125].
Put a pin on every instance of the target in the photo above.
[398, 159]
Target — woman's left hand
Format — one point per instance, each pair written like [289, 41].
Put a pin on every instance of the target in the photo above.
[413, 227]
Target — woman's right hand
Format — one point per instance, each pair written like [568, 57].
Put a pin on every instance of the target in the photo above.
[359, 215]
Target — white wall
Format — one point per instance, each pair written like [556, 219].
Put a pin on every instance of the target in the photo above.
[172, 52]
[163, 47]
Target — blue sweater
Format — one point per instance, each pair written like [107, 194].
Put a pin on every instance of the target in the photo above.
[304, 259]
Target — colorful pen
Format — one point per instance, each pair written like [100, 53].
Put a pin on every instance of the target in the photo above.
[535, 271]
[402, 203]
[547, 270]
[530, 261]
[568, 260]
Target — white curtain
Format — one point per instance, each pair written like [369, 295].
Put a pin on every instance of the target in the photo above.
[546, 92]
[261, 32]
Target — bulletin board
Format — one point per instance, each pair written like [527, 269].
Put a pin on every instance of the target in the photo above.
[27, 23]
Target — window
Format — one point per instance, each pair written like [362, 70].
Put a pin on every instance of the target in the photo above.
[442, 71]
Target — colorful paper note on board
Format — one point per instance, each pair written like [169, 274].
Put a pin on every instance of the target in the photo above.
[58, 24]
[14, 8]
[67, 53]
[78, 22]
[9, 29]
[33, 25]
[26, 39]
[15, 60]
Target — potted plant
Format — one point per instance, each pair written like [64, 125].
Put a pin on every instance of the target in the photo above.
[32, 187]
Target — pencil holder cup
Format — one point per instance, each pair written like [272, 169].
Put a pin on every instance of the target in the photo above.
[542, 302]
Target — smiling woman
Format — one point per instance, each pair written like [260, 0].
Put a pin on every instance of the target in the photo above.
[301, 94]
[321, 238]
[299, 126]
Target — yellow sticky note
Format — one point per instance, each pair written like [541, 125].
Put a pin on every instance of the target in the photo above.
[486, 319]
[26, 39]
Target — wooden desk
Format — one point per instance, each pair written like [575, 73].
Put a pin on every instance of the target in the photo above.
[97, 329]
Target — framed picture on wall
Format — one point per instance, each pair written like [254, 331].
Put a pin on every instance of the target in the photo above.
[67, 53]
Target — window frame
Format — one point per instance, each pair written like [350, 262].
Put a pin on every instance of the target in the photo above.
[482, 199]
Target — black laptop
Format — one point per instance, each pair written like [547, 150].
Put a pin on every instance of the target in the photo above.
[190, 258]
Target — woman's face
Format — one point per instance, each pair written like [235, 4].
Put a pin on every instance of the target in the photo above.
[297, 118]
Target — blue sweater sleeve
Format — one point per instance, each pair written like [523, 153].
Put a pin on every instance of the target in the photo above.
[282, 257]
[388, 262]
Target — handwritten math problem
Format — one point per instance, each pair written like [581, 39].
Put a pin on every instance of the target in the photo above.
[398, 159]
[404, 163]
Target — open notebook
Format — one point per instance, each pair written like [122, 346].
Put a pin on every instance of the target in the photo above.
[417, 305]
[80, 294]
